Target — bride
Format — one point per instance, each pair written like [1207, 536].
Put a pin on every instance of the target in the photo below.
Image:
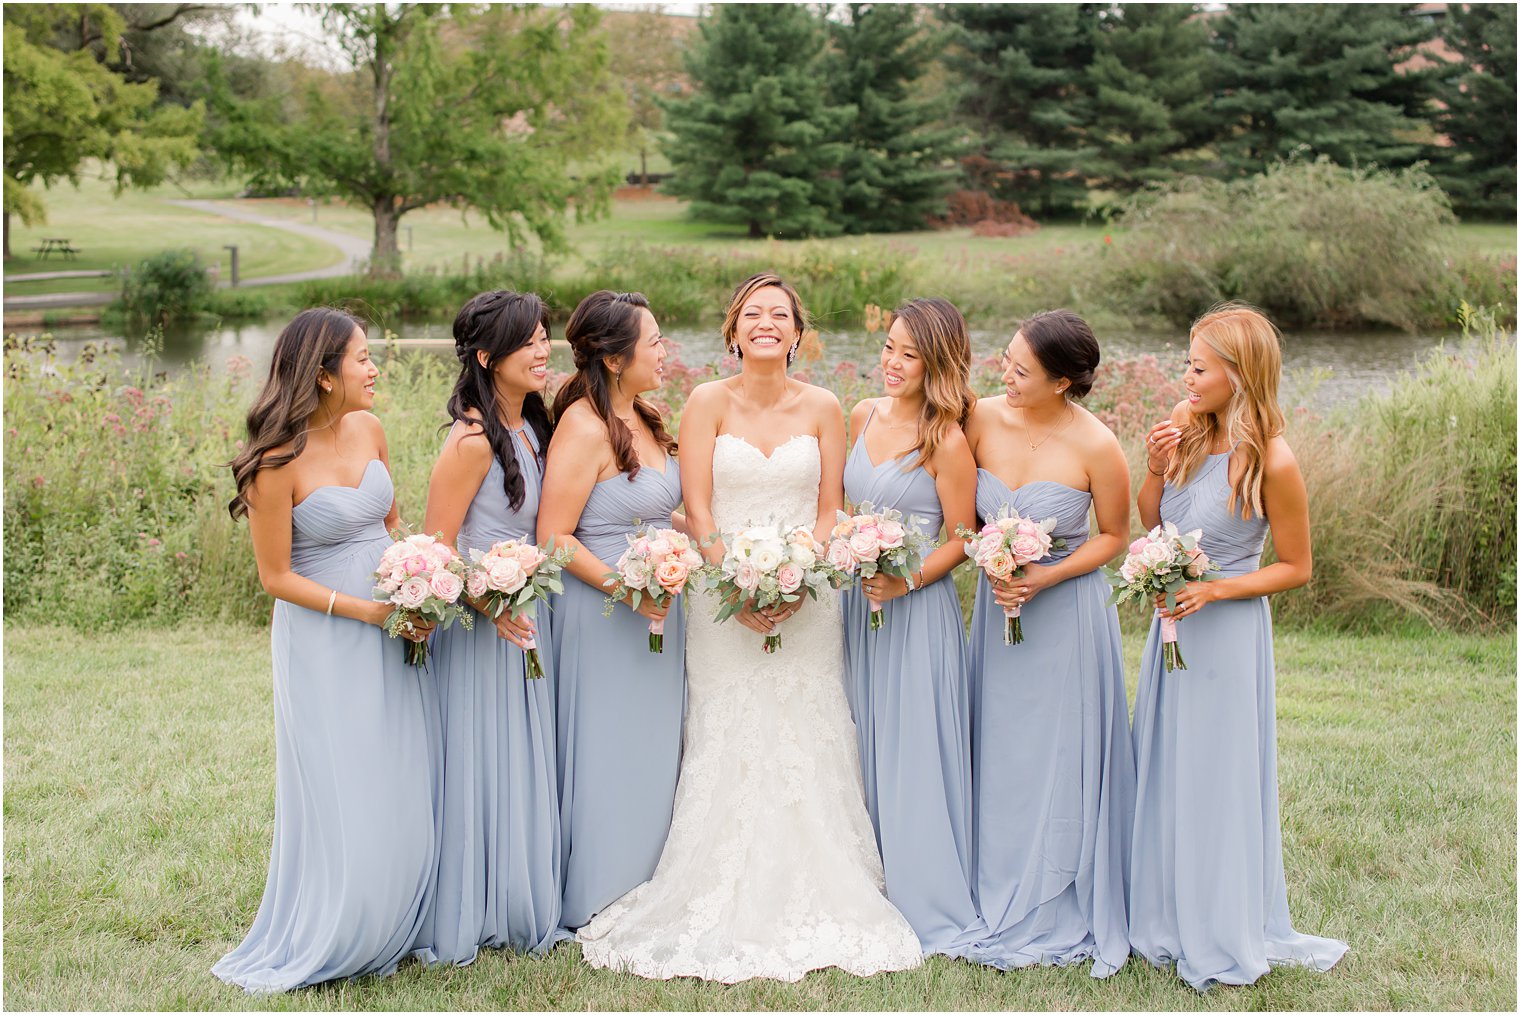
[771, 866]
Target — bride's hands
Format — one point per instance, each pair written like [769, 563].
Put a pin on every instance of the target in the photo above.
[767, 620]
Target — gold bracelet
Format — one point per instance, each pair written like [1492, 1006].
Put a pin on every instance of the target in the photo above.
[330, 600]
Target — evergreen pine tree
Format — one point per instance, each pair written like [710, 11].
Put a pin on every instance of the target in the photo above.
[1478, 170]
[1325, 76]
[757, 144]
[892, 176]
[1153, 103]
[1029, 96]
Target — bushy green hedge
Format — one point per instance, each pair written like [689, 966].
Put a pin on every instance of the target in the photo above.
[116, 486]
[169, 286]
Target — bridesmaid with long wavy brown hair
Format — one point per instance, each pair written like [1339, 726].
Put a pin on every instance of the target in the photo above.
[354, 845]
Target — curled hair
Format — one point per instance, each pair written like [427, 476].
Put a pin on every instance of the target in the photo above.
[743, 291]
[939, 333]
[314, 341]
[605, 325]
[498, 323]
[1065, 347]
[1251, 349]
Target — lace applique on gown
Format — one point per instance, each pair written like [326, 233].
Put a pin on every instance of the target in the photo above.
[771, 867]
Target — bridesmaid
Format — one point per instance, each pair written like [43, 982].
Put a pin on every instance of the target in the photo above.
[907, 682]
[354, 843]
[610, 473]
[498, 867]
[1051, 754]
[1208, 892]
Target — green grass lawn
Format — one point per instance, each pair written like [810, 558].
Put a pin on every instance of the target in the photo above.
[139, 806]
[114, 231]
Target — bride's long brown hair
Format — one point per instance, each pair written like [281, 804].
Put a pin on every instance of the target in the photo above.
[314, 341]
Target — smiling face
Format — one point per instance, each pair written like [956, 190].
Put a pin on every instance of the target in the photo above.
[902, 366]
[523, 370]
[1024, 380]
[644, 367]
[1207, 379]
[767, 327]
[353, 386]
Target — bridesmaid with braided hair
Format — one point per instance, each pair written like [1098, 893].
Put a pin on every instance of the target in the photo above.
[611, 472]
[498, 805]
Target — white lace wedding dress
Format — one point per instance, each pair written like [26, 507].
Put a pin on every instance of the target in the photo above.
[771, 867]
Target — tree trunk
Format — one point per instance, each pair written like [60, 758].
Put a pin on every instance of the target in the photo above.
[7, 236]
[754, 230]
[643, 168]
[385, 257]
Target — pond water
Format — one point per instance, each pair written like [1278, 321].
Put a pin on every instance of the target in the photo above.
[1321, 368]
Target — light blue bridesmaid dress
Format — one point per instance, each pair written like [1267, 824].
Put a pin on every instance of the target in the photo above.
[1207, 886]
[499, 861]
[907, 687]
[620, 708]
[353, 849]
[1051, 756]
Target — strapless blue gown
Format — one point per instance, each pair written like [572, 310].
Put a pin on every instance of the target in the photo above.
[1051, 756]
[907, 687]
[353, 852]
[620, 708]
[1208, 892]
[499, 851]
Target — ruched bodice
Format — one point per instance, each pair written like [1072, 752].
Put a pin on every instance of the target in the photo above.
[337, 521]
[894, 484]
[491, 518]
[1038, 501]
[1203, 502]
[619, 505]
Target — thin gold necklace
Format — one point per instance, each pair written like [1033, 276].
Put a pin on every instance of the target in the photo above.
[1035, 445]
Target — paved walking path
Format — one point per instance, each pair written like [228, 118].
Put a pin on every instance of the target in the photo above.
[354, 252]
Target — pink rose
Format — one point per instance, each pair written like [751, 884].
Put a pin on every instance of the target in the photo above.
[1138, 545]
[412, 594]
[691, 558]
[1198, 563]
[1026, 548]
[446, 586]
[892, 534]
[659, 548]
[1000, 565]
[747, 577]
[507, 575]
[671, 574]
[415, 564]
[789, 577]
[1154, 554]
[528, 557]
[476, 584]
[641, 546]
[802, 537]
[1129, 571]
[839, 555]
[864, 546]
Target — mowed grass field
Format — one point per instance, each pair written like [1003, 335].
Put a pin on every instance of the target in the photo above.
[139, 780]
[114, 231]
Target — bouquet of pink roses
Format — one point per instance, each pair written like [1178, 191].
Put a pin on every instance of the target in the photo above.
[872, 542]
[1002, 548]
[423, 578]
[1160, 563]
[660, 564]
[763, 565]
[514, 575]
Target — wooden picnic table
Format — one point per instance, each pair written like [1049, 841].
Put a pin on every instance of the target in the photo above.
[55, 245]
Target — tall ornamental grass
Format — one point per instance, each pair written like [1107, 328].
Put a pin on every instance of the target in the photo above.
[1310, 242]
[116, 486]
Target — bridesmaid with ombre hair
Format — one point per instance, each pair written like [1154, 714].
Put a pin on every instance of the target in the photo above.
[907, 681]
[1208, 893]
[498, 867]
[354, 844]
[611, 471]
[1051, 755]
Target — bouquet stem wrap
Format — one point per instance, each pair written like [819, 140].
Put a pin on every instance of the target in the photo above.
[1013, 628]
[657, 636]
[876, 616]
[1171, 651]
